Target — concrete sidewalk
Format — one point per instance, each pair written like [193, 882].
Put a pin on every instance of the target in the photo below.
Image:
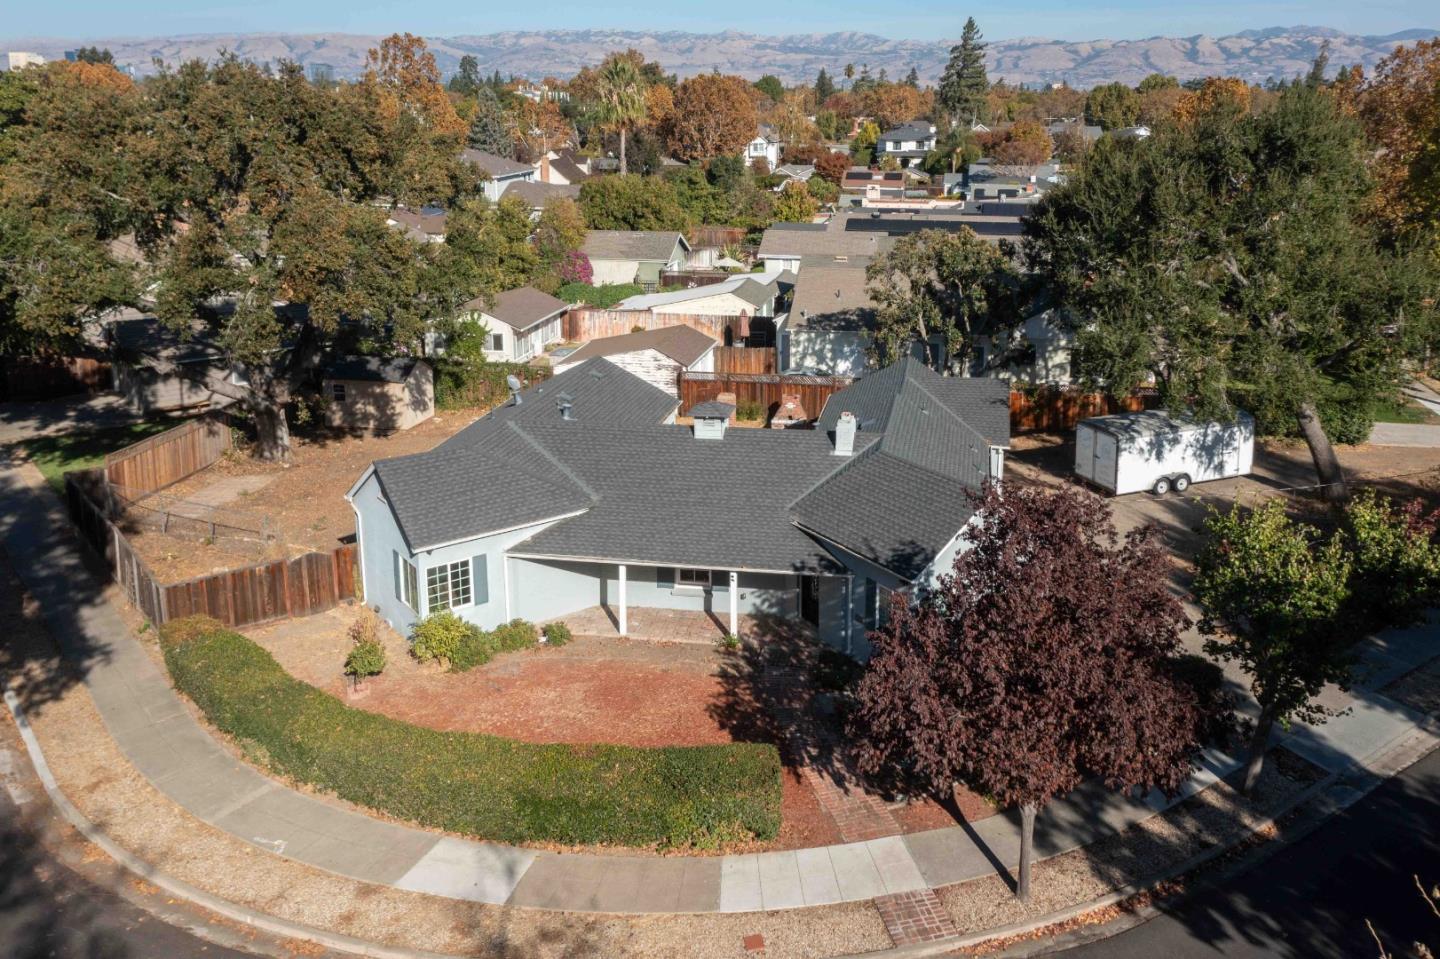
[159, 736]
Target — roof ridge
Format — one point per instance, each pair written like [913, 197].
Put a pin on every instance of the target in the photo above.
[845, 462]
[552, 459]
[943, 405]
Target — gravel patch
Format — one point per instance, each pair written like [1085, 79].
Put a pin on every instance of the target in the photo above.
[1419, 690]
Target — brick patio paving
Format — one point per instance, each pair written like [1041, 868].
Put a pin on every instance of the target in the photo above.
[915, 917]
[662, 625]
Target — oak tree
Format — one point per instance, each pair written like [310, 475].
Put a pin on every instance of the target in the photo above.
[714, 116]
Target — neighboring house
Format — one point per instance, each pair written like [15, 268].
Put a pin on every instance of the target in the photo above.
[1037, 354]
[784, 245]
[620, 256]
[765, 146]
[427, 225]
[535, 194]
[656, 356]
[146, 358]
[907, 143]
[793, 173]
[583, 492]
[831, 319]
[874, 184]
[985, 181]
[561, 167]
[1131, 133]
[521, 323]
[371, 395]
[742, 295]
[500, 171]
[1089, 132]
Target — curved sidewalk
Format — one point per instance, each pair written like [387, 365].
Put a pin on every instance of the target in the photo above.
[162, 739]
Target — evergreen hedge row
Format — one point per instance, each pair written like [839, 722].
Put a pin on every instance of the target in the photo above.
[469, 783]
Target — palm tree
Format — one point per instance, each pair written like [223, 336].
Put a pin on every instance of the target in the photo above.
[619, 99]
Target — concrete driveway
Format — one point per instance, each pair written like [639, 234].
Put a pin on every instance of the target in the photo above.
[20, 421]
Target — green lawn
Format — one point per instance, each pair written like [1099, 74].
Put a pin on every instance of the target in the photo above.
[1399, 410]
[85, 449]
[469, 783]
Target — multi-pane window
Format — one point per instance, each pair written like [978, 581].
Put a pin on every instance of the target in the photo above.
[406, 581]
[337, 392]
[448, 586]
[692, 577]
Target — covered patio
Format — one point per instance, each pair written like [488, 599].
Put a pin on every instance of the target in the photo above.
[658, 625]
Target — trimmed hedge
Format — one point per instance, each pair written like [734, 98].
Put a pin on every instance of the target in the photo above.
[469, 783]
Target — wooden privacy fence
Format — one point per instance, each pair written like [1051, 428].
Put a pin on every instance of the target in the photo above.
[763, 388]
[693, 278]
[166, 458]
[583, 324]
[744, 359]
[278, 589]
[43, 378]
[1059, 410]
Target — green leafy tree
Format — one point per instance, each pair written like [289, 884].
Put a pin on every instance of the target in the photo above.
[795, 204]
[95, 55]
[1272, 592]
[936, 287]
[560, 230]
[1112, 106]
[1157, 81]
[824, 87]
[963, 85]
[771, 86]
[631, 202]
[1232, 260]
[619, 102]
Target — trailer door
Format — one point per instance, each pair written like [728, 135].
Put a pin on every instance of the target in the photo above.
[1106, 461]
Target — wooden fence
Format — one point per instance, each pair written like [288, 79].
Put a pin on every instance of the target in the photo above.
[1058, 410]
[763, 388]
[166, 458]
[42, 378]
[584, 324]
[744, 359]
[261, 593]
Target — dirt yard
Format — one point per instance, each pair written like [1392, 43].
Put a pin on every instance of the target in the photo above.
[301, 505]
[596, 689]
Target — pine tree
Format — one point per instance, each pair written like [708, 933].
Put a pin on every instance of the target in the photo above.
[912, 79]
[489, 132]
[964, 84]
[824, 87]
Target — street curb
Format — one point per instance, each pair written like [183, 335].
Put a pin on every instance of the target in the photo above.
[1343, 798]
[183, 890]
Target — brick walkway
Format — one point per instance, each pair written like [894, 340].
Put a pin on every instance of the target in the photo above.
[915, 917]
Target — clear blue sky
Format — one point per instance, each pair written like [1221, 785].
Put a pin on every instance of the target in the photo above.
[913, 19]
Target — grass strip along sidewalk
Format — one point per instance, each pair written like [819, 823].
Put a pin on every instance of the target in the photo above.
[469, 783]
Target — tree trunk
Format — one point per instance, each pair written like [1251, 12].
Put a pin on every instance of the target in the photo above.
[1027, 842]
[272, 431]
[1327, 465]
[1255, 762]
[624, 165]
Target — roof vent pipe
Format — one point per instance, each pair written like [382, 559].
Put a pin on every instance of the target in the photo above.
[513, 382]
[845, 434]
[566, 404]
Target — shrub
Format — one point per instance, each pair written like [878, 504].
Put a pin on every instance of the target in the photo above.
[557, 634]
[479, 647]
[439, 636]
[575, 268]
[473, 784]
[601, 297]
[481, 384]
[749, 410]
[1395, 560]
[729, 642]
[367, 658]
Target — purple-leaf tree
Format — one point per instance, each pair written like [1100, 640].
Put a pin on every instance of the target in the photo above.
[575, 268]
[1048, 657]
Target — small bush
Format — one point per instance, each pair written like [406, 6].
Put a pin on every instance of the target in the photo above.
[750, 411]
[479, 646]
[367, 658]
[1395, 574]
[439, 636]
[601, 297]
[469, 783]
[557, 634]
[729, 642]
[575, 268]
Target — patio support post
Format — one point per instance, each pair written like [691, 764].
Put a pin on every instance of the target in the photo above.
[849, 615]
[624, 616]
[734, 603]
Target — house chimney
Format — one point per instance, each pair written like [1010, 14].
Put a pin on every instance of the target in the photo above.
[544, 168]
[566, 404]
[711, 419]
[845, 434]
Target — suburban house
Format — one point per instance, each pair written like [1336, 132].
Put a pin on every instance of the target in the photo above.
[793, 173]
[766, 146]
[623, 256]
[535, 194]
[1039, 353]
[522, 322]
[785, 245]
[874, 184]
[562, 168]
[1087, 131]
[830, 321]
[427, 224]
[371, 395]
[157, 368]
[500, 171]
[907, 143]
[583, 492]
[985, 181]
[742, 295]
[656, 356]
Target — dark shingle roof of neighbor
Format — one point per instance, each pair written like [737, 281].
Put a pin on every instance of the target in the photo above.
[520, 308]
[831, 297]
[630, 244]
[495, 166]
[683, 344]
[641, 487]
[566, 166]
[536, 194]
[371, 368]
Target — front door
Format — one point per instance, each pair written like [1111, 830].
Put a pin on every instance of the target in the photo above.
[810, 599]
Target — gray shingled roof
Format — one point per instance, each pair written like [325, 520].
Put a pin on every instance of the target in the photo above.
[496, 166]
[832, 297]
[712, 409]
[980, 403]
[535, 194]
[631, 244]
[520, 308]
[823, 242]
[683, 344]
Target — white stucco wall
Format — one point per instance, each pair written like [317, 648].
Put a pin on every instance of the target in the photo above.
[840, 353]
[613, 271]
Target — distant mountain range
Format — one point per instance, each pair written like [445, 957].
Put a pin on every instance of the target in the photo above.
[1255, 55]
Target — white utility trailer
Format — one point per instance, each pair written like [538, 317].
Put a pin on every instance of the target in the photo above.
[1155, 451]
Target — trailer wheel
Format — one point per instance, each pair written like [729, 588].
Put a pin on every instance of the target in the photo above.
[1182, 483]
[1161, 487]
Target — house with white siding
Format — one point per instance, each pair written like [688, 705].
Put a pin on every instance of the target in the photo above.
[500, 172]
[583, 492]
[656, 356]
[520, 323]
[634, 256]
[743, 295]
